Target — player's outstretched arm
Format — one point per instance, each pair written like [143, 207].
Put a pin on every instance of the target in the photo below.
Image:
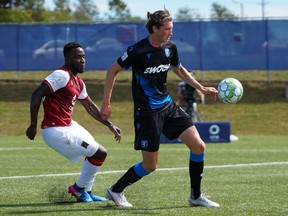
[94, 111]
[187, 78]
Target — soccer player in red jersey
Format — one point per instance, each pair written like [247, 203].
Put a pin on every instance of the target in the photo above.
[59, 92]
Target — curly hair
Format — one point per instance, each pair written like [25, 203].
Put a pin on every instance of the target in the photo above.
[157, 19]
[69, 47]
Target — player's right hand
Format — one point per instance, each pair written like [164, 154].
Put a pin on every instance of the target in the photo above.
[31, 132]
[105, 111]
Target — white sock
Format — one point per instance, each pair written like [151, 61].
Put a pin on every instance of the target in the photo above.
[87, 176]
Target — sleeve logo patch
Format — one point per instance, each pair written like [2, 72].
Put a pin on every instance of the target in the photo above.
[124, 56]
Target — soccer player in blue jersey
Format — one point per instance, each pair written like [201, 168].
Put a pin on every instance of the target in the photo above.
[154, 110]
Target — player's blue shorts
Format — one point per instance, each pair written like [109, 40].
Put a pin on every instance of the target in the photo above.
[171, 120]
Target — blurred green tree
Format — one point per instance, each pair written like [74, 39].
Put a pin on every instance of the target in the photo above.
[221, 13]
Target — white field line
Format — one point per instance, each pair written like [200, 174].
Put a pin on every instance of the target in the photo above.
[21, 148]
[159, 169]
[128, 149]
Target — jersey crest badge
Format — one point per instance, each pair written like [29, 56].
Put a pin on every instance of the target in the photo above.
[167, 52]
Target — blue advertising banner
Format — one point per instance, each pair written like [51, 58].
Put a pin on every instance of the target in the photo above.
[210, 132]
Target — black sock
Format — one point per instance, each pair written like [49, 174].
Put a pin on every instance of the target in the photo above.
[78, 188]
[127, 179]
[195, 171]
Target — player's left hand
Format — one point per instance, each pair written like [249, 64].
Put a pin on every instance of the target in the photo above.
[212, 91]
[117, 133]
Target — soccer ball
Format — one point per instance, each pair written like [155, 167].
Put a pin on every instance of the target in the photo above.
[230, 90]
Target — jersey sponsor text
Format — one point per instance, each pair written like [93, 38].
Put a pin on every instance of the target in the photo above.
[158, 69]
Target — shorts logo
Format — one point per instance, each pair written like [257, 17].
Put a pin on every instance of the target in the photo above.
[144, 143]
[84, 144]
[68, 142]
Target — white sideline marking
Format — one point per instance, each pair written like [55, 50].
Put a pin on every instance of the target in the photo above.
[160, 169]
[18, 148]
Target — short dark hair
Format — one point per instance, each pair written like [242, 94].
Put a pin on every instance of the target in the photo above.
[70, 46]
[157, 19]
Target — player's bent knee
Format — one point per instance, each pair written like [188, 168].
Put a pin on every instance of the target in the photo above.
[198, 148]
[101, 153]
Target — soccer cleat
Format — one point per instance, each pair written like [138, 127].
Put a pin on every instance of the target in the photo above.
[97, 198]
[81, 196]
[118, 198]
[202, 201]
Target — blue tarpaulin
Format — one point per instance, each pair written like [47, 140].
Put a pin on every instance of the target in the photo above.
[202, 45]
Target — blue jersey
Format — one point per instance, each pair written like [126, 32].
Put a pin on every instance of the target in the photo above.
[149, 68]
